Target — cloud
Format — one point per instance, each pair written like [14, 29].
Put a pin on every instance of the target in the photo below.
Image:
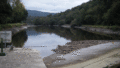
[51, 5]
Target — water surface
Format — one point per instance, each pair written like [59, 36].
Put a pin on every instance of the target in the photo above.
[44, 39]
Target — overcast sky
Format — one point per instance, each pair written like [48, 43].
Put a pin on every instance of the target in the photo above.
[53, 6]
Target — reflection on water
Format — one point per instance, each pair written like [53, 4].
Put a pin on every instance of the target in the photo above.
[45, 43]
[19, 39]
[76, 34]
[44, 39]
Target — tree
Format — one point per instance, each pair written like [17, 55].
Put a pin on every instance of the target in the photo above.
[19, 12]
[5, 11]
[112, 17]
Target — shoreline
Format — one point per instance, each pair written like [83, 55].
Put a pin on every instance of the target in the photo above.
[86, 28]
[74, 45]
[108, 59]
[16, 29]
[49, 61]
[93, 29]
[99, 30]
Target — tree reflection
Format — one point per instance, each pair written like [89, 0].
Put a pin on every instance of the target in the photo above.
[19, 39]
[76, 34]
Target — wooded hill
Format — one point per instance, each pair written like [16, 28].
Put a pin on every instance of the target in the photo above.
[38, 13]
[94, 12]
[33, 14]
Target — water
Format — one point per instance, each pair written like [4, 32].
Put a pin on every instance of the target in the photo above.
[44, 39]
[45, 43]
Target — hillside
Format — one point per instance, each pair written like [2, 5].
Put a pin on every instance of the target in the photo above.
[93, 12]
[38, 13]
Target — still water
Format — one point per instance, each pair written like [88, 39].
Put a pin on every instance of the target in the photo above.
[44, 39]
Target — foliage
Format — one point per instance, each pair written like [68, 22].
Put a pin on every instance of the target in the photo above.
[5, 12]
[94, 12]
[10, 25]
[19, 12]
[12, 11]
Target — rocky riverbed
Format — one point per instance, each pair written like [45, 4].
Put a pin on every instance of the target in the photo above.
[67, 54]
[74, 45]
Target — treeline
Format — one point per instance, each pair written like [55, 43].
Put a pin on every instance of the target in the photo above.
[94, 12]
[12, 11]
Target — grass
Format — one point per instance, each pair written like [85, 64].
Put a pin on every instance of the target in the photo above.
[114, 28]
[2, 54]
[6, 26]
[114, 66]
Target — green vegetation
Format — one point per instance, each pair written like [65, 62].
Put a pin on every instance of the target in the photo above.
[94, 12]
[10, 25]
[114, 66]
[2, 54]
[12, 13]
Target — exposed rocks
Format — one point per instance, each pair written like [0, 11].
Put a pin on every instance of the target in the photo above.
[74, 45]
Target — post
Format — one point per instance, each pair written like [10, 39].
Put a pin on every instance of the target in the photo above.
[5, 39]
[2, 54]
[1, 45]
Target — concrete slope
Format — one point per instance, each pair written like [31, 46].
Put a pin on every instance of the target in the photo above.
[21, 58]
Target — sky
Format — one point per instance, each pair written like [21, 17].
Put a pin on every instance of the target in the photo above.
[52, 6]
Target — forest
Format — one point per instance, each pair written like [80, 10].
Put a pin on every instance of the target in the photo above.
[12, 11]
[93, 12]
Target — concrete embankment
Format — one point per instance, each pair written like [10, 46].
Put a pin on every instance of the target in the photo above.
[16, 29]
[100, 30]
[91, 29]
[21, 58]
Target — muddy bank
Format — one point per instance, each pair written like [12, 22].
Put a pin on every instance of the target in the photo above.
[76, 52]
